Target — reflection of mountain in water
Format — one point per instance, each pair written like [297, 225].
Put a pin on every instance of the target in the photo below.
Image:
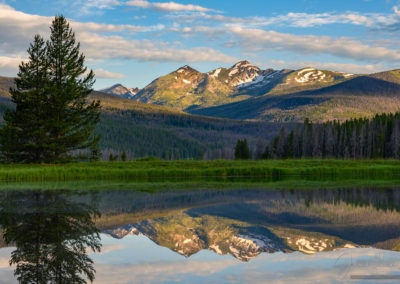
[247, 223]
[241, 223]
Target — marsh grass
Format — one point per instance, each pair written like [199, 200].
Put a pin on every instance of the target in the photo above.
[149, 170]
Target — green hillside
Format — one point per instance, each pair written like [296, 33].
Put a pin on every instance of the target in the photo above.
[150, 130]
[362, 96]
[147, 130]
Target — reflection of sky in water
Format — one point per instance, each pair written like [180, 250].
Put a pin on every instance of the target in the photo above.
[143, 261]
[136, 259]
[225, 219]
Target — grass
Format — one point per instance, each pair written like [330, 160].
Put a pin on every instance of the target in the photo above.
[150, 169]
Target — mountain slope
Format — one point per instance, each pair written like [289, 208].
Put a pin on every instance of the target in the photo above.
[121, 91]
[184, 88]
[189, 89]
[392, 76]
[362, 96]
[151, 130]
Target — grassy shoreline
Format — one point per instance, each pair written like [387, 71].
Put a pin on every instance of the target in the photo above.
[274, 169]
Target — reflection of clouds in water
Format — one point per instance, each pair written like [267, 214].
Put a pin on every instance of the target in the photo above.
[330, 267]
[7, 276]
[325, 267]
[108, 249]
[6, 271]
[160, 271]
[5, 254]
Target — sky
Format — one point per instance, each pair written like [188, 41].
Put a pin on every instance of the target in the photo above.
[135, 41]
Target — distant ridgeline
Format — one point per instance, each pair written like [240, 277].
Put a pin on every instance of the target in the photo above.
[378, 137]
[143, 130]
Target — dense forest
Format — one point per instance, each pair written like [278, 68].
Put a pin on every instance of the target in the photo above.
[174, 136]
[378, 137]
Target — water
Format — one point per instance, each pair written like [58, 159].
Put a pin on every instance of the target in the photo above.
[342, 235]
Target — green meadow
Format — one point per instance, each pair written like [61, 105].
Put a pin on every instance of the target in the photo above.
[190, 169]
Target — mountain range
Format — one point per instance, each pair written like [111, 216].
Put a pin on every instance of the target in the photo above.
[150, 130]
[189, 114]
[244, 91]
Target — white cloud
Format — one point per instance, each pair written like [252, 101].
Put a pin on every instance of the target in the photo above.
[256, 39]
[17, 29]
[298, 20]
[396, 10]
[104, 74]
[87, 7]
[9, 65]
[117, 47]
[332, 66]
[167, 6]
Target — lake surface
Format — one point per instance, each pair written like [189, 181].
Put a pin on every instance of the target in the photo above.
[340, 235]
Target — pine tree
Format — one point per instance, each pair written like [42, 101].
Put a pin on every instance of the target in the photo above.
[23, 137]
[238, 150]
[52, 119]
[123, 156]
[242, 151]
[71, 120]
[266, 155]
[95, 153]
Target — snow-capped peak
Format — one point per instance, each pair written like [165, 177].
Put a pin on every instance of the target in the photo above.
[121, 91]
[184, 69]
[242, 64]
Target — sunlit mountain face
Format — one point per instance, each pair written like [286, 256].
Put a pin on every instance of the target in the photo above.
[52, 231]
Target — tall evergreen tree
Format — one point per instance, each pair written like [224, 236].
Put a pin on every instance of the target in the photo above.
[242, 151]
[23, 137]
[377, 137]
[71, 120]
[52, 118]
[123, 156]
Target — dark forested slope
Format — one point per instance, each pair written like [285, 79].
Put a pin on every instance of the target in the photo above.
[149, 130]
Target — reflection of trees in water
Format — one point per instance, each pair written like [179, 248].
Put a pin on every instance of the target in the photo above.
[120, 202]
[52, 234]
[387, 199]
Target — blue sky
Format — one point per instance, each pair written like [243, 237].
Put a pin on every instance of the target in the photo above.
[135, 41]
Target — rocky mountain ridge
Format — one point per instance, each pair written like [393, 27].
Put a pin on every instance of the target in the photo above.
[186, 88]
[121, 91]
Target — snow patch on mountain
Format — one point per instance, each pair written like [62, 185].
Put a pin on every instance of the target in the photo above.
[233, 72]
[261, 80]
[309, 74]
[121, 91]
[216, 73]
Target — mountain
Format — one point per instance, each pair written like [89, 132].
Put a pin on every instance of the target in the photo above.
[189, 89]
[251, 80]
[359, 96]
[151, 130]
[121, 91]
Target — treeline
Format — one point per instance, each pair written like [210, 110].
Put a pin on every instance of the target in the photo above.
[378, 137]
